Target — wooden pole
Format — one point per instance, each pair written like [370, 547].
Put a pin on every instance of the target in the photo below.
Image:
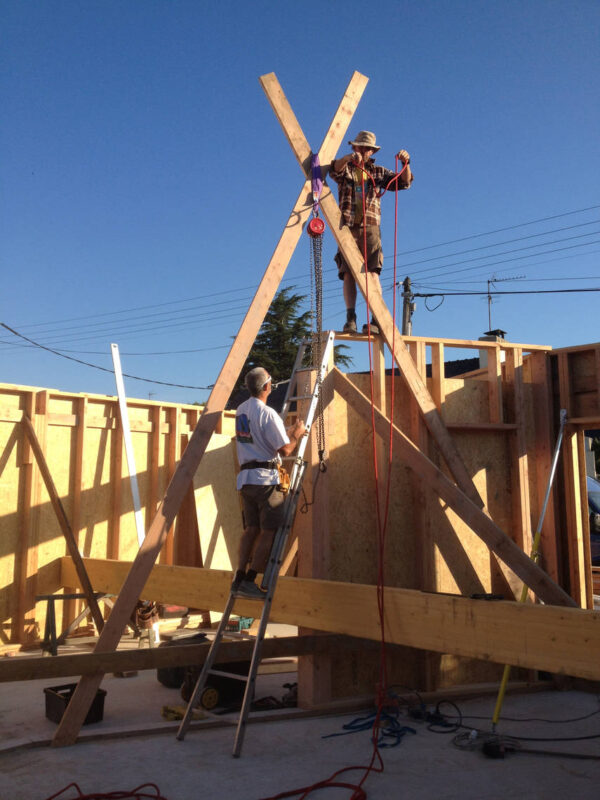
[86, 689]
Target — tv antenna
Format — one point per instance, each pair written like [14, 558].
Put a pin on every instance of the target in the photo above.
[491, 283]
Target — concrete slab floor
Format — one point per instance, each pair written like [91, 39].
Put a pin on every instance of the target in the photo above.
[285, 754]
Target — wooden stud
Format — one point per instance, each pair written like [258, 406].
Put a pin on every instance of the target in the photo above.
[438, 390]
[583, 544]
[537, 365]
[494, 374]
[70, 606]
[116, 479]
[520, 470]
[574, 522]
[564, 386]
[313, 543]
[24, 624]
[424, 544]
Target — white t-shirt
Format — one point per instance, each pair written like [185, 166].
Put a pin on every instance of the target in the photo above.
[259, 432]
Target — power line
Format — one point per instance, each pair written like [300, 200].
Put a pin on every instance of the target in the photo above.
[291, 279]
[507, 252]
[498, 230]
[510, 260]
[97, 366]
[499, 244]
[515, 291]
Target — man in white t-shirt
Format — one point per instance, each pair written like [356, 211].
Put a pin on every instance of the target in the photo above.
[261, 440]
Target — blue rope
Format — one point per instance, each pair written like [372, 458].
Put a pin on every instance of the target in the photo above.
[390, 728]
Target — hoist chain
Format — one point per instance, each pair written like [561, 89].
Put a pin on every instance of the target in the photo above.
[316, 290]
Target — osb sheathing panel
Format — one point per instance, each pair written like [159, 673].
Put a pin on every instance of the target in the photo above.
[217, 504]
[463, 563]
[353, 533]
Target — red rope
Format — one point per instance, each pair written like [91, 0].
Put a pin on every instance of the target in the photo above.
[134, 794]
[376, 762]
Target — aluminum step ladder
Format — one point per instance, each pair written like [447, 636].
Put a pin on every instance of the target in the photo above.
[274, 564]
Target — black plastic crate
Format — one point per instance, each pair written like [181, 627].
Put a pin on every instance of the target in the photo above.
[57, 700]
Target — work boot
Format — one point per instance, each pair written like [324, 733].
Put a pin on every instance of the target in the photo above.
[250, 591]
[350, 324]
[374, 328]
[239, 576]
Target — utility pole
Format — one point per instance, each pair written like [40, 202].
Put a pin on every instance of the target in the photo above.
[408, 308]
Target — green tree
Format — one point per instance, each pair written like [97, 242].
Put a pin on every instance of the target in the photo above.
[283, 329]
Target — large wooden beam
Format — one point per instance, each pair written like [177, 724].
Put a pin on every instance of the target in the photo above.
[129, 593]
[556, 639]
[480, 523]
[355, 262]
[63, 666]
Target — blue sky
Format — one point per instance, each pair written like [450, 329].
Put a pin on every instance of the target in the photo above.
[145, 180]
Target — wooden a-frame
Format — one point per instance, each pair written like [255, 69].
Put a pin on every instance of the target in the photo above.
[133, 586]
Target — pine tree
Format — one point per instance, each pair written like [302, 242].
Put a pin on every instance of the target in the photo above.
[276, 346]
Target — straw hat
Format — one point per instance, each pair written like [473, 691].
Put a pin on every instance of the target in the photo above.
[365, 139]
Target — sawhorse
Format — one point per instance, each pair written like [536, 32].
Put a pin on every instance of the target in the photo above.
[51, 641]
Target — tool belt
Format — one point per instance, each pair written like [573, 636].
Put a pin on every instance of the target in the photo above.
[260, 465]
[284, 478]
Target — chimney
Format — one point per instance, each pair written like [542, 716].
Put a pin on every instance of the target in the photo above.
[496, 335]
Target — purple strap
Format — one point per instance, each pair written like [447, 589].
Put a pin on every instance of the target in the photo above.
[317, 181]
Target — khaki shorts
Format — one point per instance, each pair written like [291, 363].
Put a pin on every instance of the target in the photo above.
[263, 506]
[374, 251]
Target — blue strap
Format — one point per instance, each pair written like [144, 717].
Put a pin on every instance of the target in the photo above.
[317, 181]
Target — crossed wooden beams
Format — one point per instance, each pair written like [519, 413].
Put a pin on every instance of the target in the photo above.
[465, 491]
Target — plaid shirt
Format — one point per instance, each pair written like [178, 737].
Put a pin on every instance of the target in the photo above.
[374, 174]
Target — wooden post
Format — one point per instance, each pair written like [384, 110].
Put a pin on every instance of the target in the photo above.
[584, 545]
[116, 479]
[86, 690]
[312, 528]
[70, 606]
[520, 468]
[537, 363]
[494, 373]
[24, 629]
[438, 390]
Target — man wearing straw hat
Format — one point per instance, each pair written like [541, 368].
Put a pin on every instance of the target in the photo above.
[354, 173]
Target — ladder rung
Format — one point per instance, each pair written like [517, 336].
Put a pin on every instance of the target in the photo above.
[235, 675]
[301, 397]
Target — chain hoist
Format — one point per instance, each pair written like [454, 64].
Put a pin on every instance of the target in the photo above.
[315, 230]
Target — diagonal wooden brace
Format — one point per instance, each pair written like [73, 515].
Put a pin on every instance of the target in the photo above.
[85, 692]
[354, 259]
[487, 530]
